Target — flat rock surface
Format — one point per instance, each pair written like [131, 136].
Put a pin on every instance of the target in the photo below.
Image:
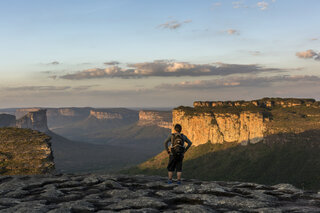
[119, 193]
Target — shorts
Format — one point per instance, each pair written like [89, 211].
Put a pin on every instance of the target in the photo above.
[175, 164]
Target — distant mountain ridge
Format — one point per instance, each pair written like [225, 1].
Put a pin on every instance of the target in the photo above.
[113, 133]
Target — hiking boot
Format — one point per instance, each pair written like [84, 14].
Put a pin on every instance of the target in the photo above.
[179, 182]
[169, 181]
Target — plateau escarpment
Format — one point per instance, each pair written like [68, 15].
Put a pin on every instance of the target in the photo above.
[158, 118]
[19, 113]
[114, 114]
[246, 121]
[36, 120]
[24, 151]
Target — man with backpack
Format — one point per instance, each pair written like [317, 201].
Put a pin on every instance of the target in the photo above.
[176, 152]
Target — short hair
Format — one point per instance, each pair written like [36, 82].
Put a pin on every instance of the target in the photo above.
[178, 128]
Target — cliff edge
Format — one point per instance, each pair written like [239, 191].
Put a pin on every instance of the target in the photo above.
[24, 151]
[246, 121]
[36, 120]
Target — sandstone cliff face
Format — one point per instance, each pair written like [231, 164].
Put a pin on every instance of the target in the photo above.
[105, 115]
[222, 127]
[68, 112]
[24, 111]
[114, 114]
[7, 120]
[36, 120]
[246, 121]
[24, 151]
[158, 118]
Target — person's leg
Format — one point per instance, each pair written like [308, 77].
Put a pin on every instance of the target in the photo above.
[170, 174]
[179, 176]
[179, 170]
[171, 166]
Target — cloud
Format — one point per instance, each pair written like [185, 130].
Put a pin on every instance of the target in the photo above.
[239, 4]
[111, 63]
[174, 24]
[37, 88]
[47, 88]
[167, 68]
[263, 5]
[309, 54]
[84, 87]
[54, 63]
[232, 82]
[232, 32]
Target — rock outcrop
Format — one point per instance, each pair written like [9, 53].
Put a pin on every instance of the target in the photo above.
[105, 115]
[246, 121]
[222, 127]
[158, 118]
[36, 120]
[7, 120]
[114, 114]
[24, 151]
[118, 193]
[68, 112]
[24, 111]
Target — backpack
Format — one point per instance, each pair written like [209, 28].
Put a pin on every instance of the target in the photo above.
[177, 143]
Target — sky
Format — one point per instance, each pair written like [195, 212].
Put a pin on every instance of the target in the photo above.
[142, 53]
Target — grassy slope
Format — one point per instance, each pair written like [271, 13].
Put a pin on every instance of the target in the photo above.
[296, 162]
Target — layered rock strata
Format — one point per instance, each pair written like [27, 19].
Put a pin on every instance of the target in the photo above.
[117, 193]
[158, 118]
[246, 121]
[114, 114]
[222, 127]
[105, 115]
[24, 151]
[24, 111]
[36, 120]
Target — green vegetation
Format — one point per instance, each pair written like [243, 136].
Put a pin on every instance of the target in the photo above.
[190, 111]
[296, 161]
[24, 151]
[294, 119]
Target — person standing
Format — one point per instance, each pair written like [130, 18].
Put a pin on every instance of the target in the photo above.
[176, 152]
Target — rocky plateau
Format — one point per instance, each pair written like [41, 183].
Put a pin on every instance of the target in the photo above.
[119, 193]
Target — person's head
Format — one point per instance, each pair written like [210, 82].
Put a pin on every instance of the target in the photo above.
[178, 128]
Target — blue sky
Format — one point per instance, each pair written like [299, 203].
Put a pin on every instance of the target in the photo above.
[58, 48]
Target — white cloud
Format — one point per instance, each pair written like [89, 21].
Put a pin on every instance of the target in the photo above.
[167, 68]
[247, 81]
[309, 54]
[233, 32]
[263, 5]
[174, 24]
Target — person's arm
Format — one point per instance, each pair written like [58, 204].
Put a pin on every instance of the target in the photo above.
[188, 142]
[166, 143]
